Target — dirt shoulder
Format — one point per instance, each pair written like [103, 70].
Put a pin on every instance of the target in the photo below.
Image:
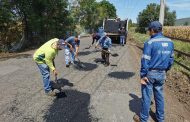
[7, 55]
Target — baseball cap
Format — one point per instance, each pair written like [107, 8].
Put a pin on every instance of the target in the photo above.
[61, 42]
[155, 25]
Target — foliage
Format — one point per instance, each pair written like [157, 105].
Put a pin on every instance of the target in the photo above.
[9, 28]
[92, 13]
[88, 12]
[40, 20]
[151, 13]
[108, 9]
[131, 24]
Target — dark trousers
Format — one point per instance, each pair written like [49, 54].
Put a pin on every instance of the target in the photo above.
[96, 38]
[105, 56]
[93, 40]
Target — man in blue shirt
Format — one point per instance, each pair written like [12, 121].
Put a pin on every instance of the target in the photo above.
[71, 49]
[105, 42]
[156, 60]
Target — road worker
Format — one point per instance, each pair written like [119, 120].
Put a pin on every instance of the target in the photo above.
[157, 59]
[123, 35]
[44, 58]
[105, 42]
[95, 36]
[71, 49]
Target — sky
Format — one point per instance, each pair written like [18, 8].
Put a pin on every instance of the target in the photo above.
[131, 8]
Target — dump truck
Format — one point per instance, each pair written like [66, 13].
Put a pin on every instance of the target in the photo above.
[112, 26]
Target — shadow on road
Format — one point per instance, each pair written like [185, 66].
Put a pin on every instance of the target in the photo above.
[85, 66]
[84, 53]
[135, 104]
[99, 60]
[73, 108]
[121, 75]
[61, 83]
[153, 115]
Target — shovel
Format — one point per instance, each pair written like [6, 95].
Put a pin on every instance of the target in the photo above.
[112, 54]
[56, 89]
[79, 63]
[55, 79]
[88, 47]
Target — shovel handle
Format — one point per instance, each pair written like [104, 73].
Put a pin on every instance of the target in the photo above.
[55, 78]
[78, 59]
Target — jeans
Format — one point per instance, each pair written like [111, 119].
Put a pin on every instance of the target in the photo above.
[69, 55]
[122, 40]
[45, 72]
[155, 85]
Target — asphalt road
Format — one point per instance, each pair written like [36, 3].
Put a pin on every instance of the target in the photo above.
[93, 94]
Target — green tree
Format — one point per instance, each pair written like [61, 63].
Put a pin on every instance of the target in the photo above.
[43, 18]
[88, 13]
[10, 25]
[151, 13]
[92, 13]
[108, 9]
[130, 23]
[170, 17]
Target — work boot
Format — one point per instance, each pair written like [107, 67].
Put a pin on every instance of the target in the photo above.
[67, 65]
[136, 118]
[51, 93]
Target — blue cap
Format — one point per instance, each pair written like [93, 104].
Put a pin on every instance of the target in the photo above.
[155, 25]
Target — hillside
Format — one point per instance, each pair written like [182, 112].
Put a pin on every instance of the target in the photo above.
[182, 21]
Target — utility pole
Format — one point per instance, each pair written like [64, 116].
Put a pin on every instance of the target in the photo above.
[162, 11]
[127, 25]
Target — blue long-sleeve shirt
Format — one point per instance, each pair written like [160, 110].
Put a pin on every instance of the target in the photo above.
[71, 40]
[105, 42]
[158, 54]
